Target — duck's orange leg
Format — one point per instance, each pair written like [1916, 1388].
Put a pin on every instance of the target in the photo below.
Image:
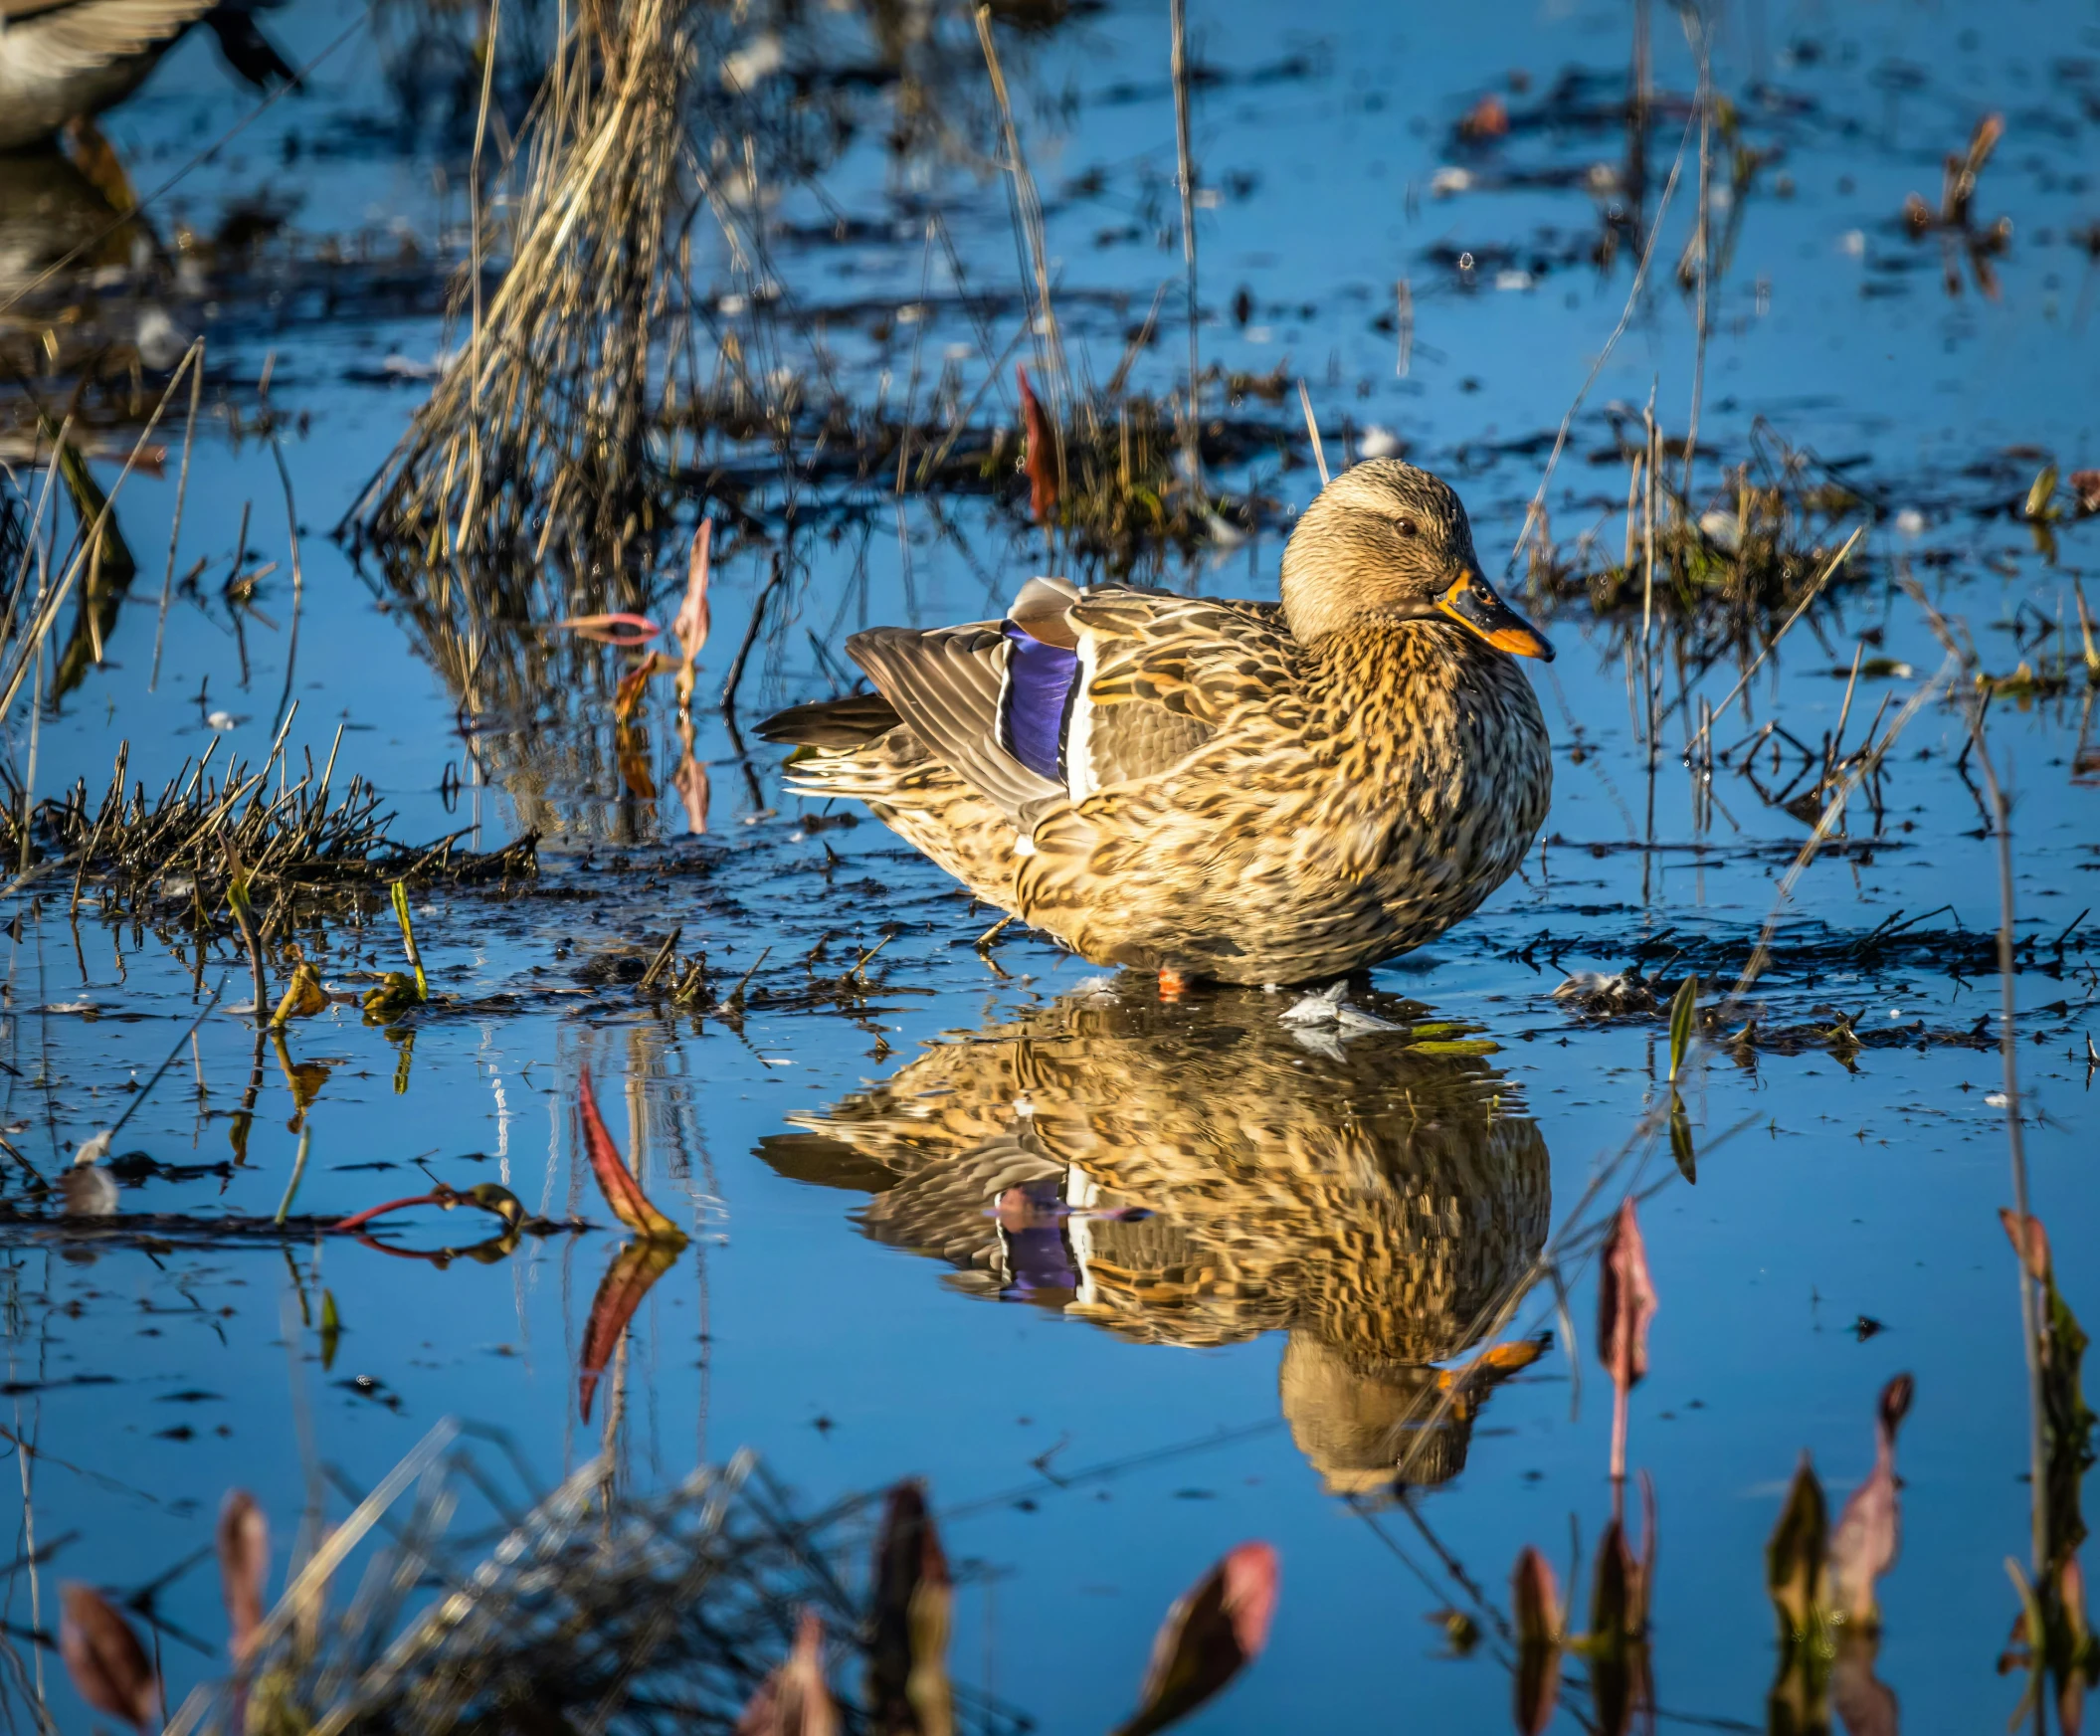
[1172, 983]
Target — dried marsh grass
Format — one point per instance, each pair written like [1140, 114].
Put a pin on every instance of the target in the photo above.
[533, 441]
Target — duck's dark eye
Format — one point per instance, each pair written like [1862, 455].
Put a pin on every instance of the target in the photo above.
[1407, 526]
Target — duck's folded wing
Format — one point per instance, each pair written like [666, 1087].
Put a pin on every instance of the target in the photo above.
[1164, 675]
[61, 41]
[1077, 690]
[949, 685]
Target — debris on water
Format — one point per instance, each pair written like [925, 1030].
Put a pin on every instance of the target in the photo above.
[1485, 119]
[88, 1190]
[332, 1330]
[1309, 1016]
[1356, 1019]
[1320, 1007]
[1318, 1042]
[1723, 530]
[403, 367]
[617, 627]
[489, 1196]
[1599, 995]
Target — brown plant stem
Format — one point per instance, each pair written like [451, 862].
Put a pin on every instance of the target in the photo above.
[182, 488]
[1974, 704]
[1185, 174]
[735, 677]
[2016, 1139]
[244, 920]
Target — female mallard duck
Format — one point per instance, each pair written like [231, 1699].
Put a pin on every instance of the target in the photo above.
[67, 60]
[1234, 790]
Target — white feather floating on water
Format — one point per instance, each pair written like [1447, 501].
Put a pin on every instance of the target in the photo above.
[1316, 1008]
[1328, 1008]
[1356, 1019]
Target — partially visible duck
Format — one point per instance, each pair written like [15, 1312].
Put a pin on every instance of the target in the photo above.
[1252, 792]
[66, 60]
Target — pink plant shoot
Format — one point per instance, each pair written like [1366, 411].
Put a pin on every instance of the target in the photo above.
[243, 1543]
[691, 622]
[1208, 1637]
[1625, 1304]
[793, 1701]
[1535, 1596]
[109, 1667]
[1869, 1530]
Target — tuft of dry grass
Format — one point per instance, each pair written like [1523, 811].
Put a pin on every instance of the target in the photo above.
[301, 845]
[590, 1607]
[1728, 564]
[534, 438]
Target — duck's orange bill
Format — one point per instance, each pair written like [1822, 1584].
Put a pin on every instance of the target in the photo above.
[1473, 604]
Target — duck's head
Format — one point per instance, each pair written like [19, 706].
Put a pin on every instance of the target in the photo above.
[1387, 539]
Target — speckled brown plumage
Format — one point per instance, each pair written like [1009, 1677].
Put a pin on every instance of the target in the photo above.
[1374, 1206]
[1254, 793]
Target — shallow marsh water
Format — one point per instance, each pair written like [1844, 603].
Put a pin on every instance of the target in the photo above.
[915, 1260]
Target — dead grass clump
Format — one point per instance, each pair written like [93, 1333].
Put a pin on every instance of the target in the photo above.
[589, 1608]
[1121, 494]
[534, 438]
[301, 849]
[1720, 568]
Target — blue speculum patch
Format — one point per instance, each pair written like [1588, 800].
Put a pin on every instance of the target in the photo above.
[1039, 683]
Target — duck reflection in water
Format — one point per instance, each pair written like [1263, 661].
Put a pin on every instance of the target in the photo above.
[1198, 1173]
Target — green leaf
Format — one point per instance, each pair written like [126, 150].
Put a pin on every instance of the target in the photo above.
[1683, 1010]
[408, 939]
[1681, 1147]
[2042, 492]
[1795, 1556]
[331, 1329]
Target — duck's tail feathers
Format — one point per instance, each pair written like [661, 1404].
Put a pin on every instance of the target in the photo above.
[836, 724]
[248, 50]
[855, 747]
